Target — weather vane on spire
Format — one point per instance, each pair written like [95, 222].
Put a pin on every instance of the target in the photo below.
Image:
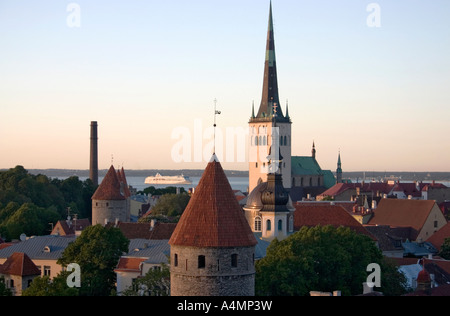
[215, 122]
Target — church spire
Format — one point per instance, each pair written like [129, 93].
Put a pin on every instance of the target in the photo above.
[339, 169]
[270, 86]
[314, 150]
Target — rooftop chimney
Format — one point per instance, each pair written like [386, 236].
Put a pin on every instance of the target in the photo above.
[93, 167]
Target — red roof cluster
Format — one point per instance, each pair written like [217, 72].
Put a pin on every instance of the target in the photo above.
[213, 217]
[159, 231]
[379, 188]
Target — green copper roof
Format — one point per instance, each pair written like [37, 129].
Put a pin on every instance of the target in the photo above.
[308, 166]
[305, 166]
[328, 179]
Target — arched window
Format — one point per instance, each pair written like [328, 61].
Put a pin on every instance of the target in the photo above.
[285, 141]
[175, 259]
[260, 140]
[268, 225]
[258, 224]
[264, 141]
[256, 141]
[281, 140]
[280, 225]
[201, 262]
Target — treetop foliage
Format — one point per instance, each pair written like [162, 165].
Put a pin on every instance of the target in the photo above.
[322, 258]
[29, 203]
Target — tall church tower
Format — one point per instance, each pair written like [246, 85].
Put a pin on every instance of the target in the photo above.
[268, 122]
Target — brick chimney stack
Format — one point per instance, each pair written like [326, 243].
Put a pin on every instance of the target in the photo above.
[93, 167]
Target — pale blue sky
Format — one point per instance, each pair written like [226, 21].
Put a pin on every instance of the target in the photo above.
[145, 68]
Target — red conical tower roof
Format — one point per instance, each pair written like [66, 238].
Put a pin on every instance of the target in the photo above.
[109, 189]
[213, 217]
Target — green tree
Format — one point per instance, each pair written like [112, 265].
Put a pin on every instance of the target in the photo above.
[445, 249]
[97, 250]
[4, 291]
[155, 283]
[171, 205]
[43, 286]
[30, 220]
[28, 203]
[162, 191]
[321, 258]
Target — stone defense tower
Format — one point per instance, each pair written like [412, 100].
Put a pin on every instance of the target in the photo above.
[212, 249]
[93, 161]
[262, 126]
[110, 203]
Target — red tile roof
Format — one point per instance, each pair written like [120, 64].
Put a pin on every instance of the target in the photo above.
[6, 245]
[123, 179]
[337, 216]
[438, 238]
[408, 188]
[213, 217]
[402, 213]
[443, 290]
[129, 264]
[19, 264]
[434, 185]
[64, 229]
[110, 188]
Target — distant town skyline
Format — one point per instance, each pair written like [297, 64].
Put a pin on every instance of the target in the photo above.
[368, 79]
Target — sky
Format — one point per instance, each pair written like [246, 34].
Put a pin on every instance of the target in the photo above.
[367, 78]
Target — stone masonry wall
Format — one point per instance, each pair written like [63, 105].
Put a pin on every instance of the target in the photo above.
[217, 277]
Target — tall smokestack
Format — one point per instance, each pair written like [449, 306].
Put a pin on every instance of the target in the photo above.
[93, 167]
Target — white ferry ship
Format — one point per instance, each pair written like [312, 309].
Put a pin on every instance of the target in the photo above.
[159, 179]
